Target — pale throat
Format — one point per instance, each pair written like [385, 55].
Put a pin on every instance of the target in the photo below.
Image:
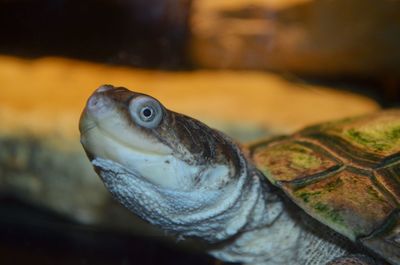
[206, 211]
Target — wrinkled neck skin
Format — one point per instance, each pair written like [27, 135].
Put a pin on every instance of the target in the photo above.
[210, 214]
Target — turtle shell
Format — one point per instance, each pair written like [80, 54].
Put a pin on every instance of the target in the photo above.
[346, 174]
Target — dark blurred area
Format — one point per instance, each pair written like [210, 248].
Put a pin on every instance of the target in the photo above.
[138, 33]
[49, 239]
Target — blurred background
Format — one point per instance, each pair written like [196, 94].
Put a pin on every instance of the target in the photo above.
[251, 68]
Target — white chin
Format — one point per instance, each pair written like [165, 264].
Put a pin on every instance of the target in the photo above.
[163, 170]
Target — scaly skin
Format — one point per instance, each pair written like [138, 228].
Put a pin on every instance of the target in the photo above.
[191, 180]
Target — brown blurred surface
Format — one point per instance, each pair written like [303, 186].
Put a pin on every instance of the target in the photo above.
[50, 93]
[335, 38]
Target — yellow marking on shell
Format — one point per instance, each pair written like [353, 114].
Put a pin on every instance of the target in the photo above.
[378, 136]
[291, 160]
[348, 201]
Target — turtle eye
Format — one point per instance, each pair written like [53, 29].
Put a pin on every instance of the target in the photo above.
[146, 112]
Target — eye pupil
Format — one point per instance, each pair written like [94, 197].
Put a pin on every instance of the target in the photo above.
[147, 112]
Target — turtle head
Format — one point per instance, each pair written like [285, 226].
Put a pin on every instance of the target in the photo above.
[169, 169]
[167, 149]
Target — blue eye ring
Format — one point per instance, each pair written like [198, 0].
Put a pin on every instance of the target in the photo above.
[146, 112]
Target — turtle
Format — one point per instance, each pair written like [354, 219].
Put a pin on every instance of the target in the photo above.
[326, 194]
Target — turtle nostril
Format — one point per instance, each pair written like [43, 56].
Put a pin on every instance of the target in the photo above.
[92, 102]
[98, 102]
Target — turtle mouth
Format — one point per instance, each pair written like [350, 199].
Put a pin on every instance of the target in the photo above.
[86, 124]
[84, 128]
[119, 143]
